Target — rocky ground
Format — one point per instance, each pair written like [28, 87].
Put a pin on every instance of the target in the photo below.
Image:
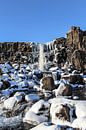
[31, 99]
[53, 98]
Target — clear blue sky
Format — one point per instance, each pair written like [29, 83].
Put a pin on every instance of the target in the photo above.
[39, 20]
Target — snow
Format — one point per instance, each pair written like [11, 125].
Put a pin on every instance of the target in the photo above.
[59, 90]
[54, 109]
[38, 105]
[6, 92]
[32, 118]
[79, 123]
[32, 97]
[19, 96]
[81, 109]
[45, 126]
[9, 103]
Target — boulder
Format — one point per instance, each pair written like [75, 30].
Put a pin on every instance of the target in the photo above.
[5, 85]
[32, 118]
[40, 106]
[32, 97]
[60, 114]
[9, 103]
[63, 90]
[47, 83]
[76, 78]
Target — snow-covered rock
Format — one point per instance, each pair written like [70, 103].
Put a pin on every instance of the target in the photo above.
[80, 109]
[9, 103]
[19, 96]
[40, 105]
[60, 114]
[32, 97]
[6, 92]
[63, 90]
[46, 126]
[79, 123]
[32, 118]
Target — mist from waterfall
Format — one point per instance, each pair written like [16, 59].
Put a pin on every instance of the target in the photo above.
[41, 57]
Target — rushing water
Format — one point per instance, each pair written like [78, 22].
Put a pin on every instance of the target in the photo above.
[41, 57]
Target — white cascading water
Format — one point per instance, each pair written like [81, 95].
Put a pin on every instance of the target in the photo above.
[41, 57]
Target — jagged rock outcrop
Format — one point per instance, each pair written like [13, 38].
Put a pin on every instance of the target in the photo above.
[78, 59]
[76, 40]
[71, 49]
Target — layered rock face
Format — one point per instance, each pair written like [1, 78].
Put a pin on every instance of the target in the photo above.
[14, 51]
[76, 43]
[71, 49]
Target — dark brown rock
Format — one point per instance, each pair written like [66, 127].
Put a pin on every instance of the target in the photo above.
[78, 59]
[64, 113]
[76, 78]
[47, 83]
[64, 90]
[5, 85]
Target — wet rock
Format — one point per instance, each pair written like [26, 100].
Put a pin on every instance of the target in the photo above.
[47, 83]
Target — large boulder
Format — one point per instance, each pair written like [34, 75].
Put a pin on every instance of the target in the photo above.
[47, 83]
[78, 59]
[60, 114]
[32, 118]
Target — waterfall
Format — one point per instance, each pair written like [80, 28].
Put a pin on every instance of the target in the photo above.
[41, 57]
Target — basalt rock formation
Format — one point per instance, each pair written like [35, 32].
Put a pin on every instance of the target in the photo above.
[71, 49]
[14, 51]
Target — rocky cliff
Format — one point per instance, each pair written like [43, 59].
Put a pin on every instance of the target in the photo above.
[71, 49]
